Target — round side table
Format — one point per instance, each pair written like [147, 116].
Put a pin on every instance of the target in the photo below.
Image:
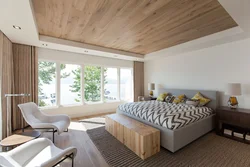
[19, 138]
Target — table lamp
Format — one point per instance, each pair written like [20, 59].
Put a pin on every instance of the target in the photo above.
[151, 87]
[233, 89]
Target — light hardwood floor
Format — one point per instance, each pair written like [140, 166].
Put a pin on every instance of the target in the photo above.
[87, 153]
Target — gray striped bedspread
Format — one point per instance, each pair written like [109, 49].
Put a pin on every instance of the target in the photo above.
[169, 115]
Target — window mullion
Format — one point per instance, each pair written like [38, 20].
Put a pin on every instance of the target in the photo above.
[102, 84]
[82, 84]
[58, 84]
[132, 83]
[118, 84]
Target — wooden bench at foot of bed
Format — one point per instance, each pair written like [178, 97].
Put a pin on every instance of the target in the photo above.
[142, 139]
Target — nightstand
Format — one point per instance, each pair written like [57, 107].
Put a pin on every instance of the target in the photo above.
[146, 98]
[153, 98]
[235, 120]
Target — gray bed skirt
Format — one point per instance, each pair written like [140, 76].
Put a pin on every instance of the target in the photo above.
[173, 140]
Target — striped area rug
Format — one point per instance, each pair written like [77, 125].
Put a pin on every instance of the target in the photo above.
[208, 151]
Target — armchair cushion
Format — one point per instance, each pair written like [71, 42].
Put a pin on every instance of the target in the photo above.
[37, 119]
[39, 152]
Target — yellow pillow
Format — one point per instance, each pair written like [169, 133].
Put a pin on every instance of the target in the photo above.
[179, 99]
[202, 99]
[162, 96]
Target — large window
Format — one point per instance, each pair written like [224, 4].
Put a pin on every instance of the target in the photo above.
[46, 83]
[92, 83]
[126, 84]
[110, 84]
[70, 84]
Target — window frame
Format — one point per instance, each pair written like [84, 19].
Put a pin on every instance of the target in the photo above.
[83, 83]
[59, 85]
[82, 66]
[118, 86]
[132, 82]
[52, 61]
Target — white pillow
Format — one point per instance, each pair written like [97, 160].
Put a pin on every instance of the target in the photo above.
[193, 102]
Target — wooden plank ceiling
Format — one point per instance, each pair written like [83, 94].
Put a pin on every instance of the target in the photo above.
[139, 26]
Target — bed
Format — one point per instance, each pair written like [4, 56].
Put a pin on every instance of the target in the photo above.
[179, 124]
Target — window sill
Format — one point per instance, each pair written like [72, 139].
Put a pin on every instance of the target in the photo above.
[93, 103]
[103, 102]
[78, 105]
[115, 101]
[71, 105]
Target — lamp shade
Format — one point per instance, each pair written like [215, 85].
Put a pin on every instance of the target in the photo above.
[151, 86]
[233, 89]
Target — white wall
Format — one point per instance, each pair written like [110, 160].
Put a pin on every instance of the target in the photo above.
[208, 69]
[69, 57]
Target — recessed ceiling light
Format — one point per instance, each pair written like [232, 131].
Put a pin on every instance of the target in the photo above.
[17, 27]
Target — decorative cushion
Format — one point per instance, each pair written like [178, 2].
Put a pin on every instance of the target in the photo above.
[162, 97]
[201, 98]
[169, 98]
[179, 99]
[191, 102]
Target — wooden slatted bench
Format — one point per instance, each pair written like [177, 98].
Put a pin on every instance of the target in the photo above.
[142, 139]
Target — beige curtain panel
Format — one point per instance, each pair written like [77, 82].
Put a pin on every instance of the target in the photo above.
[18, 74]
[6, 78]
[138, 79]
[25, 62]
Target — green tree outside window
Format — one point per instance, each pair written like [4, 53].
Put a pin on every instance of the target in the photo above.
[92, 80]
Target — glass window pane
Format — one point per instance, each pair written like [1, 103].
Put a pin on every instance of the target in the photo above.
[110, 84]
[126, 84]
[92, 84]
[70, 84]
[46, 84]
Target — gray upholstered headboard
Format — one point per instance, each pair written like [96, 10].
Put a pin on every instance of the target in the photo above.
[213, 95]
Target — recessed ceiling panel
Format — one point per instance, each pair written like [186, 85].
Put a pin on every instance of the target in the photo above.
[139, 26]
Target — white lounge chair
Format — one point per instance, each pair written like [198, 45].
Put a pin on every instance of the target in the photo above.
[42, 122]
[37, 153]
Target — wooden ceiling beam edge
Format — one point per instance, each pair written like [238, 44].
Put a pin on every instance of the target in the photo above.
[77, 47]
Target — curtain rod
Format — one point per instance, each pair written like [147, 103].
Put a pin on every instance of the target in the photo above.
[22, 94]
